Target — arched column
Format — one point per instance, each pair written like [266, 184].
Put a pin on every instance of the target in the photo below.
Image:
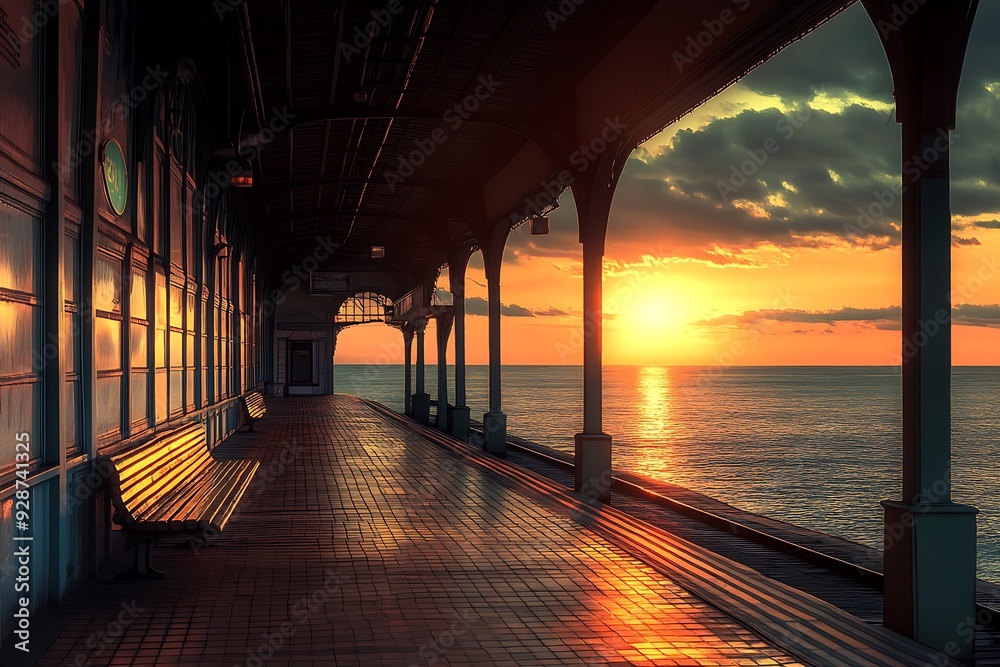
[930, 541]
[331, 384]
[407, 330]
[495, 421]
[421, 404]
[443, 330]
[592, 469]
[460, 417]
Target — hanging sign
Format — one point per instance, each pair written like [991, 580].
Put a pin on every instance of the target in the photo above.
[115, 175]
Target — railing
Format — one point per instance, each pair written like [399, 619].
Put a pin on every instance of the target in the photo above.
[406, 303]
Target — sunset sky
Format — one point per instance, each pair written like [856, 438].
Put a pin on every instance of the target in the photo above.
[703, 269]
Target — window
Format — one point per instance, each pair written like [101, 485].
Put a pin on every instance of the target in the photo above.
[138, 349]
[108, 346]
[160, 347]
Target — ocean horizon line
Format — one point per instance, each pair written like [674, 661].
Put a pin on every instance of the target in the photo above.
[718, 366]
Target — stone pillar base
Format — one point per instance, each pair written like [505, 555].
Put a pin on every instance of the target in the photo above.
[495, 433]
[459, 424]
[593, 466]
[930, 575]
[420, 407]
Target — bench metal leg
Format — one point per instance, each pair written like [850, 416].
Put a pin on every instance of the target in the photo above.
[142, 567]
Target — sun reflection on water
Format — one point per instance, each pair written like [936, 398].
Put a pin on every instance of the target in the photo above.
[655, 424]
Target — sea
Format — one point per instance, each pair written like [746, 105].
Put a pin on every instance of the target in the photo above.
[814, 446]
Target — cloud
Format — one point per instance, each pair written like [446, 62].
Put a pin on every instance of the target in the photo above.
[987, 315]
[805, 316]
[958, 241]
[477, 305]
[817, 149]
[514, 310]
[552, 311]
[888, 318]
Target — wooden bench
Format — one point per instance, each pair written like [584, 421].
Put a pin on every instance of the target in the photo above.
[253, 408]
[173, 484]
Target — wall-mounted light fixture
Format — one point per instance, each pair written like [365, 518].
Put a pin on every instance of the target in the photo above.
[539, 225]
[243, 177]
[378, 252]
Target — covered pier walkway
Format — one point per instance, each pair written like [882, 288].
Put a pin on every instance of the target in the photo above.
[370, 540]
[197, 198]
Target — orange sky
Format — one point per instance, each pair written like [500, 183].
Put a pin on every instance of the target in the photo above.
[686, 275]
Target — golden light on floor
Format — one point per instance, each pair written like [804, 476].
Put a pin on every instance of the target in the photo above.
[654, 627]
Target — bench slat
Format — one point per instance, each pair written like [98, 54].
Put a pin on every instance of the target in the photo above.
[253, 406]
[187, 510]
[220, 511]
[156, 488]
[173, 483]
[182, 509]
[138, 470]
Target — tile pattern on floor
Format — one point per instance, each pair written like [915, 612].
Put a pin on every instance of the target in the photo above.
[361, 543]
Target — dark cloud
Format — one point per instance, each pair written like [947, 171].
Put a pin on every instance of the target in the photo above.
[827, 174]
[982, 315]
[514, 310]
[958, 241]
[806, 316]
[977, 315]
[477, 305]
[552, 311]
[987, 224]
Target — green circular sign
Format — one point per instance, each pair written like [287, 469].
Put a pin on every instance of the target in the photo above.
[115, 175]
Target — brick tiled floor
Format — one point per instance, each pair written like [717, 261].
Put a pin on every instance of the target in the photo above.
[361, 543]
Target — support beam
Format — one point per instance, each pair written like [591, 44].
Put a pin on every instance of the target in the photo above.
[408, 368]
[930, 541]
[331, 385]
[443, 330]
[460, 415]
[56, 408]
[592, 471]
[421, 405]
[494, 421]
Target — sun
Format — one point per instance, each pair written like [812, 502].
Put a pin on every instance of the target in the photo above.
[655, 309]
[658, 315]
